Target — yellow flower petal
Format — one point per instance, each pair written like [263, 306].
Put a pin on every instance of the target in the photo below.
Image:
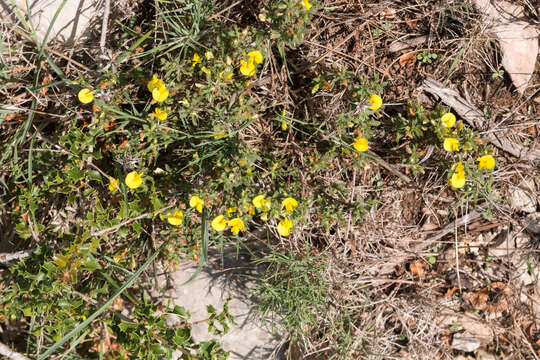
[258, 201]
[375, 102]
[486, 162]
[305, 4]
[196, 59]
[208, 55]
[284, 227]
[256, 56]
[160, 114]
[451, 144]
[290, 204]
[155, 82]
[247, 68]
[114, 184]
[448, 120]
[86, 96]
[236, 225]
[205, 70]
[231, 210]
[219, 223]
[160, 94]
[361, 144]
[133, 180]
[197, 203]
[457, 180]
[176, 218]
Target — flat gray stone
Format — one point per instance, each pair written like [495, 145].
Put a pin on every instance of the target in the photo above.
[252, 338]
[72, 22]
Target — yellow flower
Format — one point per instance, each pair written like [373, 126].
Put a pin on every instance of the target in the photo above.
[289, 203]
[196, 202]
[155, 83]
[219, 135]
[160, 93]
[176, 218]
[196, 59]
[134, 180]
[236, 225]
[375, 101]
[256, 56]
[284, 126]
[219, 223]
[486, 162]
[305, 4]
[185, 102]
[231, 210]
[361, 144]
[160, 114]
[247, 68]
[284, 227]
[86, 96]
[274, 166]
[114, 184]
[259, 201]
[458, 176]
[205, 70]
[448, 120]
[451, 144]
[208, 55]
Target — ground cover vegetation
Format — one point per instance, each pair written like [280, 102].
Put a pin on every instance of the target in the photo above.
[288, 118]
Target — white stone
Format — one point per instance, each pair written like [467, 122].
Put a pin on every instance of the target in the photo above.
[72, 22]
[532, 223]
[251, 338]
[522, 201]
[465, 342]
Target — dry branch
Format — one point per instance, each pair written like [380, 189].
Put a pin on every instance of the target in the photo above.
[475, 118]
[430, 242]
[10, 354]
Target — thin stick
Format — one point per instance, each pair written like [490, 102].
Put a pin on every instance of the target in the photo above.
[104, 27]
[10, 354]
[7, 257]
[388, 167]
[457, 258]
[129, 221]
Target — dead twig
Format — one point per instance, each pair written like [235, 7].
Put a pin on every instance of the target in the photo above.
[104, 27]
[129, 221]
[10, 354]
[430, 242]
[7, 257]
[475, 118]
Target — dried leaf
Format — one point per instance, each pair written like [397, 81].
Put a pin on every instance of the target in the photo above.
[517, 38]
[479, 300]
[450, 291]
[417, 268]
[407, 58]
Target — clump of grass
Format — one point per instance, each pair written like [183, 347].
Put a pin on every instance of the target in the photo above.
[184, 145]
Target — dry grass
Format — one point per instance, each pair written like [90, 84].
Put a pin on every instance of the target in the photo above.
[396, 311]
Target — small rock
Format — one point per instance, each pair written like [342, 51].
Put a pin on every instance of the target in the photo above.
[465, 342]
[72, 21]
[532, 223]
[507, 246]
[484, 355]
[521, 200]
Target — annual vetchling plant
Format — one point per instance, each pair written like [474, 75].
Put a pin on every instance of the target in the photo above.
[179, 147]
